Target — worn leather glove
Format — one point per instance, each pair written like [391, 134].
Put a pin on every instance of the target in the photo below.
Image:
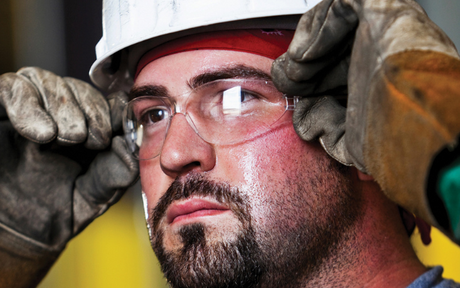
[402, 74]
[51, 185]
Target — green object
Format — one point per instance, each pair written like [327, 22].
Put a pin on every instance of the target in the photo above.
[449, 191]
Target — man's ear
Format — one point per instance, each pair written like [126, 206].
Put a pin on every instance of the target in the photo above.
[364, 177]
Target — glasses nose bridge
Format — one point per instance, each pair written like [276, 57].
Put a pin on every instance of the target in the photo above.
[182, 109]
[178, 109]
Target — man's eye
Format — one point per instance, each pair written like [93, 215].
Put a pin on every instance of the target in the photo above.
[247, 95]
[153, 116]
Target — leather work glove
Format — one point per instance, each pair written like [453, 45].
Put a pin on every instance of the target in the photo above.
[59, 167]
[402, 76]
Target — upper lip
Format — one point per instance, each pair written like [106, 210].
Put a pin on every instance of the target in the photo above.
[191, 205]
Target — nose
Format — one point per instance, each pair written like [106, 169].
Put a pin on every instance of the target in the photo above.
[184, 151]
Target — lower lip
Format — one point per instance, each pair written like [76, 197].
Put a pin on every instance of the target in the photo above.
[198, 214]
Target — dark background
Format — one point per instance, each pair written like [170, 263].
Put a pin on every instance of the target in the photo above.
[58, 35]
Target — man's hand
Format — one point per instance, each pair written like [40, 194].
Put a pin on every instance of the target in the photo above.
[59, 167]
[402, 74]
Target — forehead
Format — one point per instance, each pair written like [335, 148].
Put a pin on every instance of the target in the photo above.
[175, 70]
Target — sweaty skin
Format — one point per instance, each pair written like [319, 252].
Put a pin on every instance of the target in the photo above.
[297, 209]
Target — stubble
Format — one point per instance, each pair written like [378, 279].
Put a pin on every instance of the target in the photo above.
[324, 208]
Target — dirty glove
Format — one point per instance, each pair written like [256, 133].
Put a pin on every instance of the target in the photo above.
[51, 185]
[403, 81]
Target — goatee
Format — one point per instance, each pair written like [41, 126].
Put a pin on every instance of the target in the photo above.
[232, 263]
[307, 225]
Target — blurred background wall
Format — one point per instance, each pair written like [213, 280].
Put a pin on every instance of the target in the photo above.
[60, 35]
[56, 35]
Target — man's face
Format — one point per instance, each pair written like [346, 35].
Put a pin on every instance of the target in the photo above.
[267, 211]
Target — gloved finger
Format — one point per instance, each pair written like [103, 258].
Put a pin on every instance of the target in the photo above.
[96, 111]
[117, 102]
[321, 35]
[24, 108]
[60, 103]
[110, 171]
[323, 119]
[334, 78]
[108, 177]
[284, 84]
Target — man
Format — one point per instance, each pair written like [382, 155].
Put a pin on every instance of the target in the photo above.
[231, 216]
[235, 198]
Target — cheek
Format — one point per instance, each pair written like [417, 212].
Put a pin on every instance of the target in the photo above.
[152, 181]
[274, 156]
[268, 170]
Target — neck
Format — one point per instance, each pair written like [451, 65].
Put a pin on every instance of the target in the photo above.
[381, 262]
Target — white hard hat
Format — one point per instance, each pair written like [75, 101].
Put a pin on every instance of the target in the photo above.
[132, 27]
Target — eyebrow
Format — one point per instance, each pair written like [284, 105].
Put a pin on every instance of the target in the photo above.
[148, 90]
[230, 72]
[237, 71]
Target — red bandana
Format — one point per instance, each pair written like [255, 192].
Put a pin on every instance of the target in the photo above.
[268, 43]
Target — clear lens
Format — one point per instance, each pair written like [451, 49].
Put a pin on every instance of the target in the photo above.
[221, 112]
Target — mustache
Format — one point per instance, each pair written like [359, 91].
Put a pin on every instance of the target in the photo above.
[198, 185]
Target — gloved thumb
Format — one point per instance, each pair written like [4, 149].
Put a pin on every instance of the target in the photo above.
[323, 118]
[106, 180]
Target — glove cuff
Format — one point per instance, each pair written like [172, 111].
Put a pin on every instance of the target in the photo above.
[415, 103]
[24, 261]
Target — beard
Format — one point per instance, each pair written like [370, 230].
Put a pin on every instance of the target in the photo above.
[324, 208]
[202, 264]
